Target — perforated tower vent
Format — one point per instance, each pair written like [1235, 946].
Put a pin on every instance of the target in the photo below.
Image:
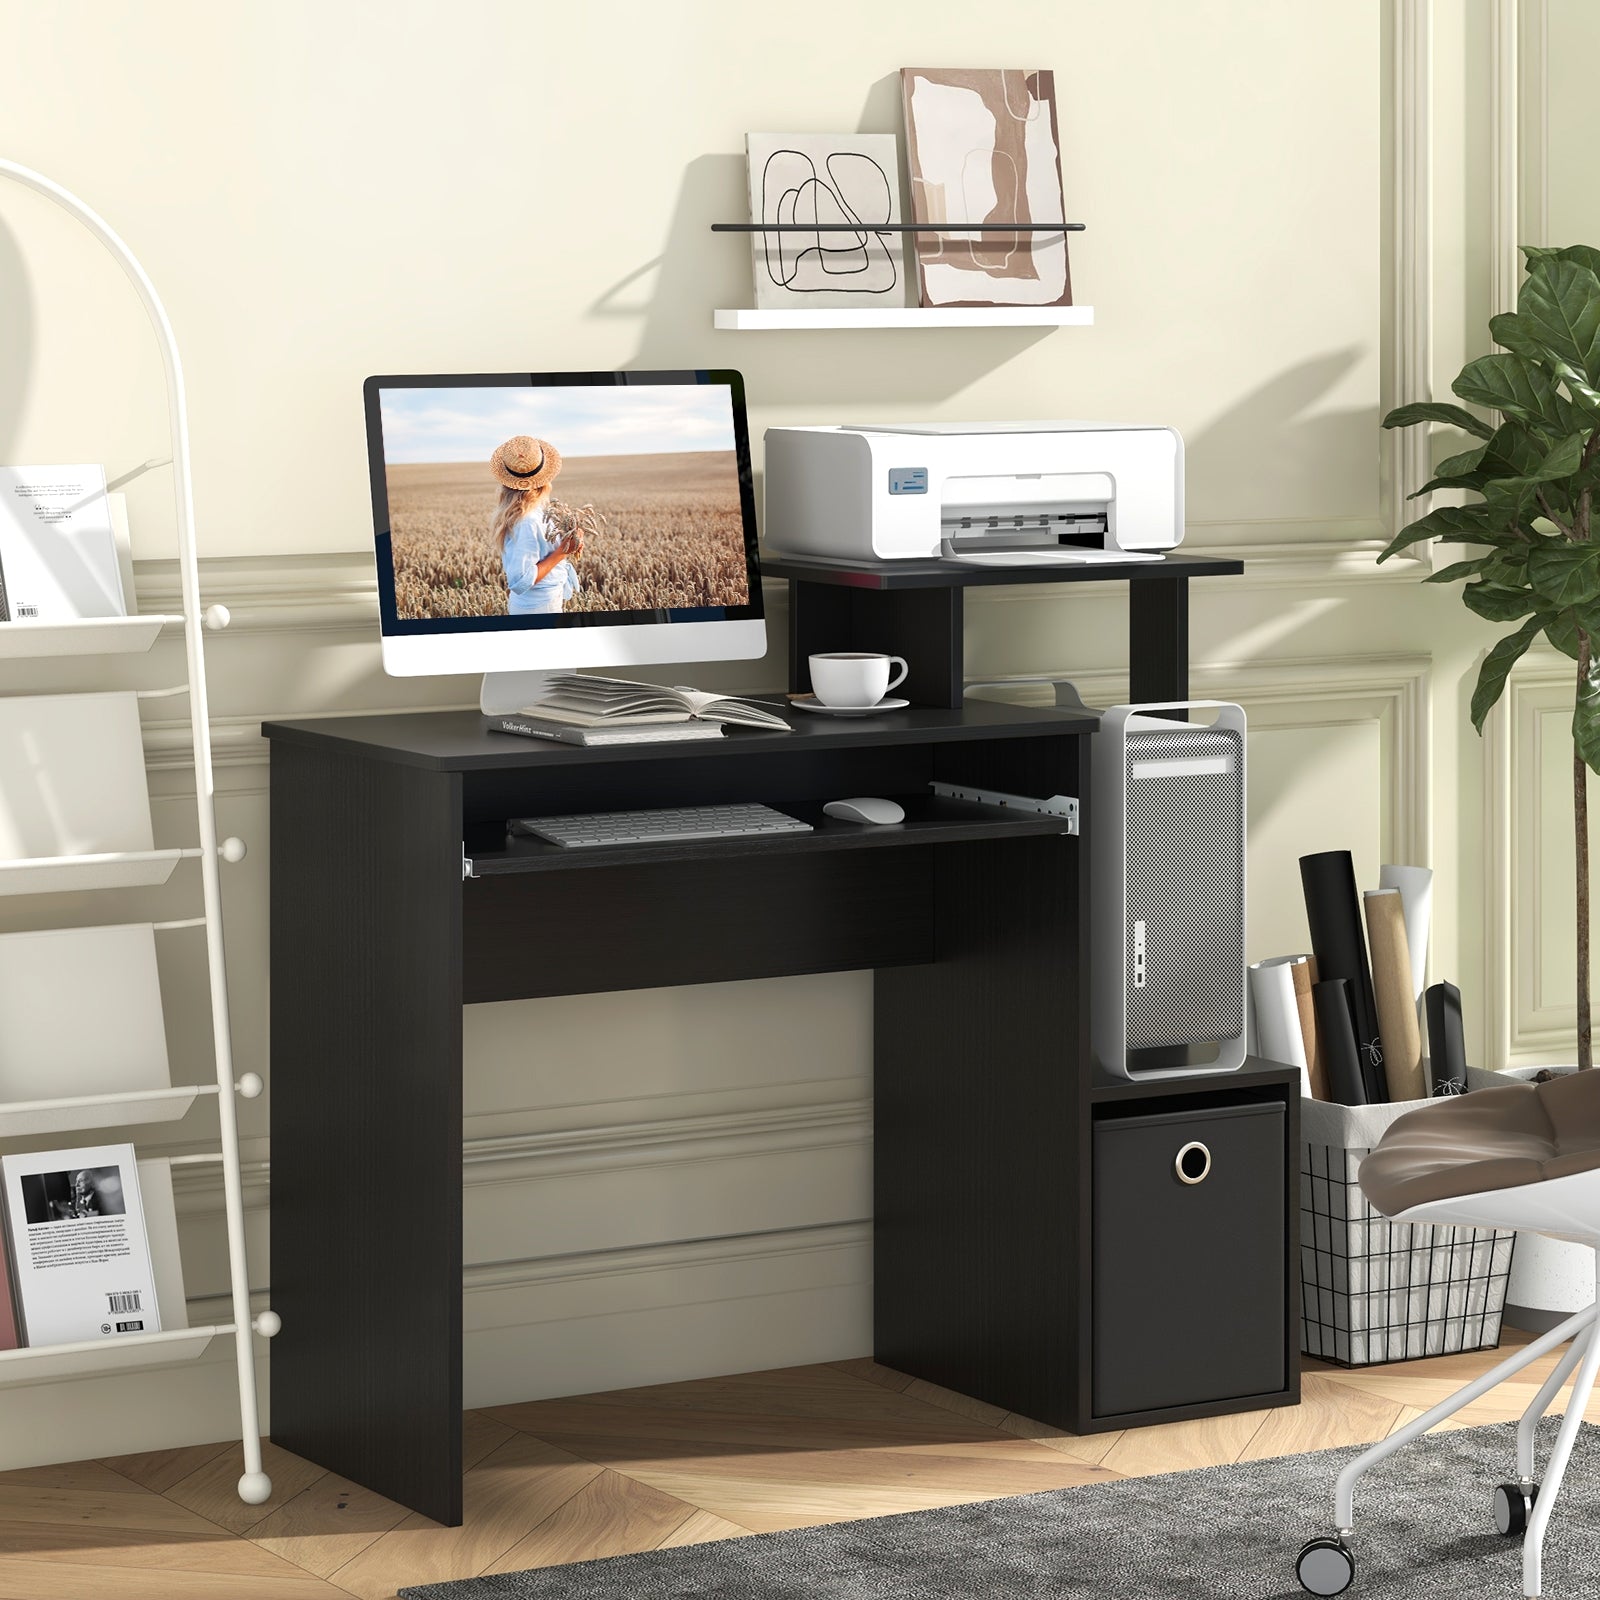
[1184, 931]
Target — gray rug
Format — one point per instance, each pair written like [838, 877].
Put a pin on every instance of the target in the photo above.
[1424, 1531]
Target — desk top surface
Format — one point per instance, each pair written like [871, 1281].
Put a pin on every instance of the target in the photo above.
[460, 741]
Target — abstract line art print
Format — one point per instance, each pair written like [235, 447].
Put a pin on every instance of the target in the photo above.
[826, 182]
[982, 146]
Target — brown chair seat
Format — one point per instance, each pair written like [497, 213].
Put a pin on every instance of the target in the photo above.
[1501, 1138]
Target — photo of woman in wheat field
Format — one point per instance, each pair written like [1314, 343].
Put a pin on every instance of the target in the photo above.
[536, 556]
[543, 503]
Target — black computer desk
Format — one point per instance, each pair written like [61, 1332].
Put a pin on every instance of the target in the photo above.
[397, 900]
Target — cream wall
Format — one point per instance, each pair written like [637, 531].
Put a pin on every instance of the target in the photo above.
[664, 1184]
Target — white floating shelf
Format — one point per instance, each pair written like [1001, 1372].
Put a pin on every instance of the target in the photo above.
[119, 869]
[28, 1117]
[90, 1358]
[85, 636]
[910, 317]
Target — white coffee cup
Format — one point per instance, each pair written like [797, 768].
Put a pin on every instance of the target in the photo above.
[852, 680]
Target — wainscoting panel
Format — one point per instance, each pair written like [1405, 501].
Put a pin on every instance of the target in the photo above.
[656, 1054]
[1528, 803]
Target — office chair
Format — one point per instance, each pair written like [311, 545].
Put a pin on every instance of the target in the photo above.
[1522, 1156]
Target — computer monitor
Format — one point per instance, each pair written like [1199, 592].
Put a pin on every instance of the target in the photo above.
[531, 522]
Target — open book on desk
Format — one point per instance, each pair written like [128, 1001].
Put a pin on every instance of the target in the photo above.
[579, 708]
[585, 701]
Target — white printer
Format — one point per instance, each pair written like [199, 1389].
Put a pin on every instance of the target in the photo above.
[996, 493]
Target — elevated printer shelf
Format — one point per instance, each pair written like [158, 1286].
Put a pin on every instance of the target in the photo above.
[916, 609]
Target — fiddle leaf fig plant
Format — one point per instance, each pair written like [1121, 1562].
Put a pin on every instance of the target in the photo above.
[1535, 476]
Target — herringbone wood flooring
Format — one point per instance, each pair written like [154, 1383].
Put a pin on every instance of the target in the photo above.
[564, 1480]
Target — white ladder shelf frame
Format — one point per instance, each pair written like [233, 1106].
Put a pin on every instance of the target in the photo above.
[254, 1487]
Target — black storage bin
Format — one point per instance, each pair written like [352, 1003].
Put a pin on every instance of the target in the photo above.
[1190, 1257]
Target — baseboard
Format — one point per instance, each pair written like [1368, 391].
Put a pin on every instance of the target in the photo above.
[1531, 1319]
[158, 1408]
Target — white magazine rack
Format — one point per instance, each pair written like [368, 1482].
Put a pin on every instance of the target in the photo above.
[92, 869]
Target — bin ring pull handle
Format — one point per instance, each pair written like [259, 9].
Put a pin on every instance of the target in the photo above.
[1189, 1169]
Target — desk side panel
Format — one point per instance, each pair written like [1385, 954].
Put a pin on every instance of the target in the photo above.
[980, 1159]
[367, 1122]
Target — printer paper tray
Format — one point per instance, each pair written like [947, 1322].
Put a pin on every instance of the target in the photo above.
[1043, 558]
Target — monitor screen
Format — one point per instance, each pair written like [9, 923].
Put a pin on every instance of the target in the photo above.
[530, 502]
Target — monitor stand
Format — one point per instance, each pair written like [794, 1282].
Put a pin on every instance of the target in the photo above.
[504, 693]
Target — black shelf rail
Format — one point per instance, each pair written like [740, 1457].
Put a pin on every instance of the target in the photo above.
[898, 227]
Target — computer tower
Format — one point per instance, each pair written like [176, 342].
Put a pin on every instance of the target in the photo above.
[1167, 849]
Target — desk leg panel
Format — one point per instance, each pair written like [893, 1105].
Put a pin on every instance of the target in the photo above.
[1158, 639]
[367, 1122]
[979, 1165]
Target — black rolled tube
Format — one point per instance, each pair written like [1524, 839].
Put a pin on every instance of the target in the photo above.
[1337, 1037]
[1333, 910]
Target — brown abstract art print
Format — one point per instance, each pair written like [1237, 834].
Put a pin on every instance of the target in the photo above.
[983, 146]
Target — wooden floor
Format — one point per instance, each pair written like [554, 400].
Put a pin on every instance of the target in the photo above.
[565, 1480]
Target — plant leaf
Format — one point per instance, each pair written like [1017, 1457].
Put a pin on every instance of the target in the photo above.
[1518, 387]
[1564, 457]
[1437, 411]
[1497, 667]
[1509, 330]
[1514, 451]
[1524, 338]
[1460, 569]
[1559, 305]
[1455, 525]
[1461, 465]
[1455, 472]
[1560, 461]
[1473, 469]
[1508, 567]
[1472, 481]
[1562, 631]
[1566, 574]
[1500, 604]
[1584, 254]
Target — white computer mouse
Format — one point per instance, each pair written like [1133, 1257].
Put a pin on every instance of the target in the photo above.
[865, 808]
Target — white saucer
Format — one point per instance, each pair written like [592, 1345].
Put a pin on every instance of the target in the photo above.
[809, 702]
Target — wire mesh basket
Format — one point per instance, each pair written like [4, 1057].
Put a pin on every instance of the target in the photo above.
[1373, 1290]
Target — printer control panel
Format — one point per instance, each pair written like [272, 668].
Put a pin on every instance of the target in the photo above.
[908, 480]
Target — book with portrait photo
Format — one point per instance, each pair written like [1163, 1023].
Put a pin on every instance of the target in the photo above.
[80, 1252]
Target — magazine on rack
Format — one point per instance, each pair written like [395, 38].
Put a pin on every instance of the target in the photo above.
[80, 1253]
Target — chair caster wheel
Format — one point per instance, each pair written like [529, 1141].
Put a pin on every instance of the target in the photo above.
[1511, 1507]
[1325, 1567]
